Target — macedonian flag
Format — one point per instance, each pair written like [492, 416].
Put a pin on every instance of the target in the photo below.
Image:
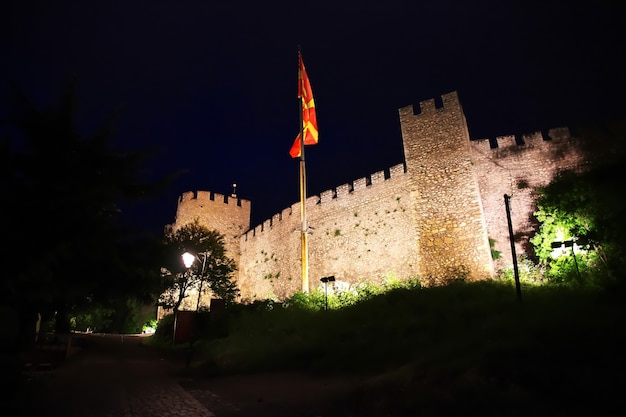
[309, 120]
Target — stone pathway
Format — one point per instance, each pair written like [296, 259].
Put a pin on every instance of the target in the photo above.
[114, 377]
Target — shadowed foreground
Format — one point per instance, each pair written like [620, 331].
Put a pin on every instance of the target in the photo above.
[113, 375]
[116, 375]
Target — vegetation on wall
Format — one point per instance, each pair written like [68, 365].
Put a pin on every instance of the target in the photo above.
[585, 214]
[495, 254]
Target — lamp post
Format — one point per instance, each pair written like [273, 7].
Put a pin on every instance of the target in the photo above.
[188, 259]
[326, 280]
[518, 286]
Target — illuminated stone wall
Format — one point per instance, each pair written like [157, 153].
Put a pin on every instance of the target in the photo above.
[446, 208]
[518, 167]
[359, 231]
[431, 217]
[228, 215]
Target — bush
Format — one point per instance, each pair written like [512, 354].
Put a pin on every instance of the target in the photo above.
[164, 332]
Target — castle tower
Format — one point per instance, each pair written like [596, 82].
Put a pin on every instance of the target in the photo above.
[229, 215]
[447, 210]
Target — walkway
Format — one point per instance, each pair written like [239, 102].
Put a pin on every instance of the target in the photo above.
[115, 377]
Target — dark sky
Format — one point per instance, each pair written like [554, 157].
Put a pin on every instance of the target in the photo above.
[212, 84]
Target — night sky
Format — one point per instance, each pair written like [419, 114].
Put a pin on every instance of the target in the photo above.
[212, 84]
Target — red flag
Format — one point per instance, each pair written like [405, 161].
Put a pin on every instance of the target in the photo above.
[309, 119]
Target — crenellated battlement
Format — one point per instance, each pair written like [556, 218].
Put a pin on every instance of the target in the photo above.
[432, 217]
[209, 197]
[431, 107]
[229, 215]
[314, 202]
[553, 137]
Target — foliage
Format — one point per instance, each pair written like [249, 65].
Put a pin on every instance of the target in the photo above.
[124, 316]
[529, 272]
[437, 350]
[62, 196]
[150, 326]
[212, 268]
[586, 207]
[495, 254]
[340, 295]
[164, 333]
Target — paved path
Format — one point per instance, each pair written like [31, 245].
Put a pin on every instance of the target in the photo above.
[117, 376]
[114, 377]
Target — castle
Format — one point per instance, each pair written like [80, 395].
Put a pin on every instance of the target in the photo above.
[438, 215]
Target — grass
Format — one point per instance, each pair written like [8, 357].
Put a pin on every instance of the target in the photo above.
[463, 348]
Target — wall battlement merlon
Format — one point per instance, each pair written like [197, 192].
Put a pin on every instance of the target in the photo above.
[327, 196]
[398, 208]
[359, 184]
[212, 197]
[448, 101]
[552, 136]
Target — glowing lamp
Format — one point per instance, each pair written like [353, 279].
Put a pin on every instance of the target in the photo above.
[188, 259]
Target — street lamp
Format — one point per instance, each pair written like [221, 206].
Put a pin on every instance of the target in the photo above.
[326, 280]
[188, 259]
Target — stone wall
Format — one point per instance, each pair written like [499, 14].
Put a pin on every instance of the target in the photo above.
[518, 167]
[447, 210]
[431, 217]
[359, 231]
[229, 215]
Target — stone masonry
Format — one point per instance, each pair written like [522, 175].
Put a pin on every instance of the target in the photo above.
[430, 218]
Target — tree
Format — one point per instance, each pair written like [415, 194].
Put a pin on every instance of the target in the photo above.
[588, 207]
[66, 247]
[213, 269]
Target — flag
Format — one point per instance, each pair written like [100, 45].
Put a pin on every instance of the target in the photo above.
[309, 119]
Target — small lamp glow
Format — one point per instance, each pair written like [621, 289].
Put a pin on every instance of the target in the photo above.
[188, 259]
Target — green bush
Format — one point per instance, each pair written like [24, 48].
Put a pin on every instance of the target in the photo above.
[164, 332]
[465, 344]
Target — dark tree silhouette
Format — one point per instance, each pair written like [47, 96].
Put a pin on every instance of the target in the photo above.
[65, 246]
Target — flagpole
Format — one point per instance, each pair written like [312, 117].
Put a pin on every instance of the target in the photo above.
[304, 226]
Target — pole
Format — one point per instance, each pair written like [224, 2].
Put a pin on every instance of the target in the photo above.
[304, 226]
[575, 260]
[201, 282]
[518, 288]
[326, 293]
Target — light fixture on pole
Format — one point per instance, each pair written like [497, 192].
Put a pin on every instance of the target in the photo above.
[326, 280]
[188, 260]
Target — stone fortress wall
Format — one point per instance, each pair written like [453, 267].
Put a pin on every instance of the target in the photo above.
[228, 215]
[359, 231]
[431, 217]
[518, 167]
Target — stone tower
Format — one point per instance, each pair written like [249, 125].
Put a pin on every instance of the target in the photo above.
[431, 217]
[448, 216]
[228, 215]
